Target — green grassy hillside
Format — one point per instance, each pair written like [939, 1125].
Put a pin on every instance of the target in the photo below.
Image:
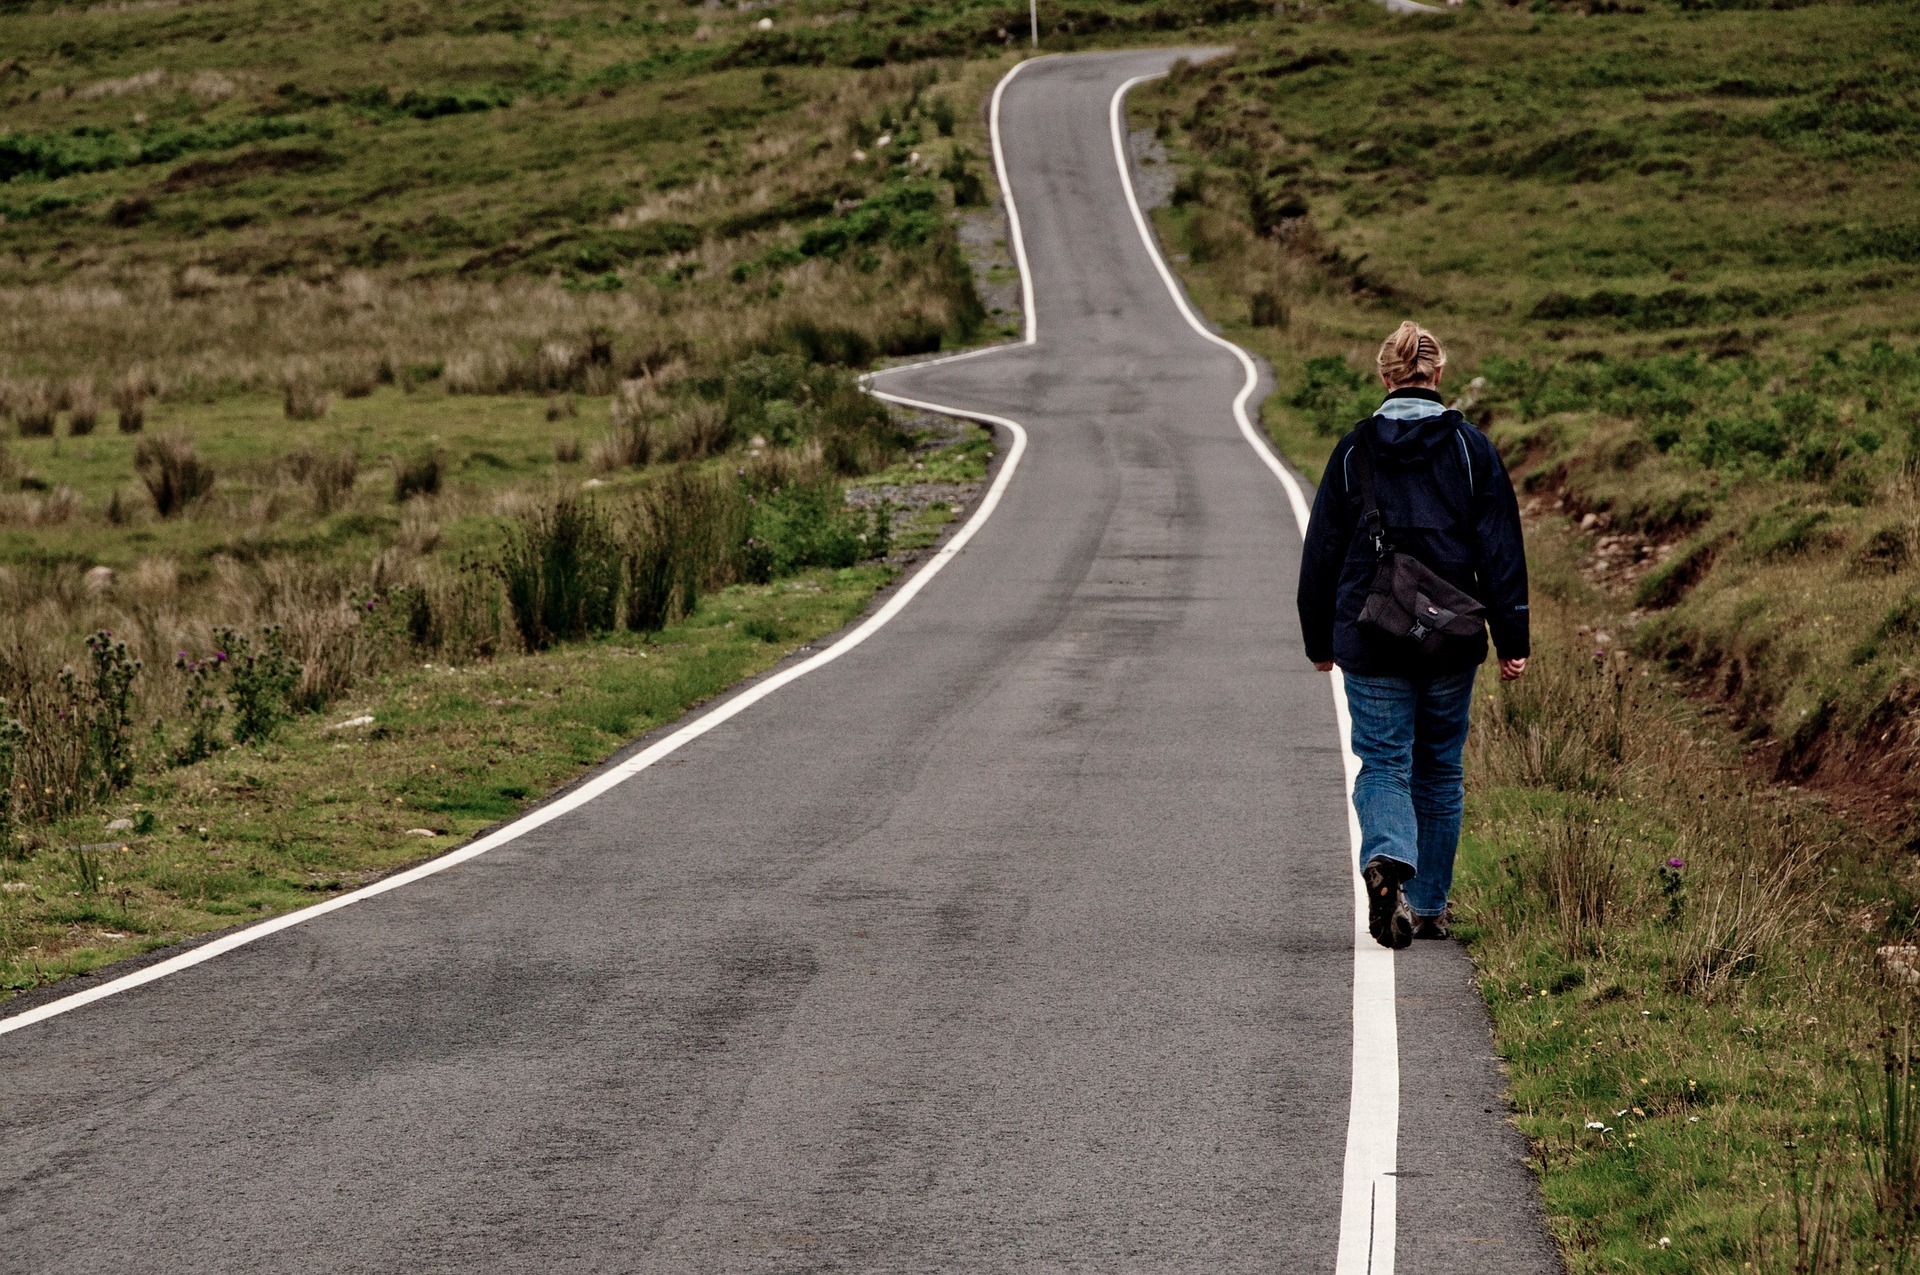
[342, 345]
[1674, 252]
[426, 364]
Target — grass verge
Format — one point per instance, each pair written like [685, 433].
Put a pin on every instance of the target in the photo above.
[1675, 286]
[334, 801]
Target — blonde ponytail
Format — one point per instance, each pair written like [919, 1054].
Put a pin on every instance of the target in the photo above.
[1411, 356]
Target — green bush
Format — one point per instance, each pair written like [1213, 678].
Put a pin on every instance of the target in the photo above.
[804, 526]
[1333, 396]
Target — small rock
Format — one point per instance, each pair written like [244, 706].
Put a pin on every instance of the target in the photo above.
[884, 140]
[859, 155]
[120, 825]
[765, 24]
[1589, 522]
[353, 723]
[421, 832]
[99, 579]
[591, 483]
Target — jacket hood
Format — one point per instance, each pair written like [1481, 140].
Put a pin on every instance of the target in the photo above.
[1410, 425]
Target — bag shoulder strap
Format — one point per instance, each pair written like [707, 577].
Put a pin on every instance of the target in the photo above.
[1369, 502]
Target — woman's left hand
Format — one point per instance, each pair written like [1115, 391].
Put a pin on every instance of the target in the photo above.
[1510, 670]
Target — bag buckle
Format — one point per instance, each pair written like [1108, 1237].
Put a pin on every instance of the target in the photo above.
[1419, 632]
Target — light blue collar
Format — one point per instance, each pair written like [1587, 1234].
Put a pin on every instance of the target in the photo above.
[1409, 409]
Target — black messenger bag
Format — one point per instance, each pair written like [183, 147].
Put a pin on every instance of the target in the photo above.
[1408, 601]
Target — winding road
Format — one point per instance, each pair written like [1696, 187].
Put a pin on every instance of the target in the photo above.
[1014, 932]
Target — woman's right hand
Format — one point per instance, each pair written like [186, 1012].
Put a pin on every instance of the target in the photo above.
[1510, 670]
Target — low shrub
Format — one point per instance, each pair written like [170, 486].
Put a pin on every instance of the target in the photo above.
[697, 430]
[804, 526]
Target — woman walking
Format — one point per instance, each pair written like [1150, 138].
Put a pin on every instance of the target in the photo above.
[1413, 553]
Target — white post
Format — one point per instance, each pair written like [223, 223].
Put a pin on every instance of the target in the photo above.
[1033, 20]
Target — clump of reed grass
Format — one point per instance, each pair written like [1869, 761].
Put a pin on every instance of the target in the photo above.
[303, 400]
[683, 535]
[1887, 1126]
[329, 475]
[130, 394]
[419, 533]
[13, 733]
[34, 407]
[561, 569]
[174, 474]
[636, 440]
[417, 476]
[566, 449]
[73, 744]
[1741, 908]
[83, 409]
[698, 429]
[1579, 875]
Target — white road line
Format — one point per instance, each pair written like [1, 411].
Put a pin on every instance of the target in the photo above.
[606, 781]
[1368, 1198]
[598, 786]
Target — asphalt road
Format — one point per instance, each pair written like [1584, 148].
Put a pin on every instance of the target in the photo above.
[1018, 938]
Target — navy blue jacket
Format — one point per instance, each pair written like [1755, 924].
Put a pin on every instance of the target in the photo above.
[1446, 499]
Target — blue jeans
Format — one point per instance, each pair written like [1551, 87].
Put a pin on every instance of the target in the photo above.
[1408, 737]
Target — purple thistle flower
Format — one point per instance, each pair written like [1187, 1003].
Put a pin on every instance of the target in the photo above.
[1676, 863]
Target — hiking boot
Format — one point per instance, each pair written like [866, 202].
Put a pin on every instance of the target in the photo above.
[1433, 927]
[1389, 919]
